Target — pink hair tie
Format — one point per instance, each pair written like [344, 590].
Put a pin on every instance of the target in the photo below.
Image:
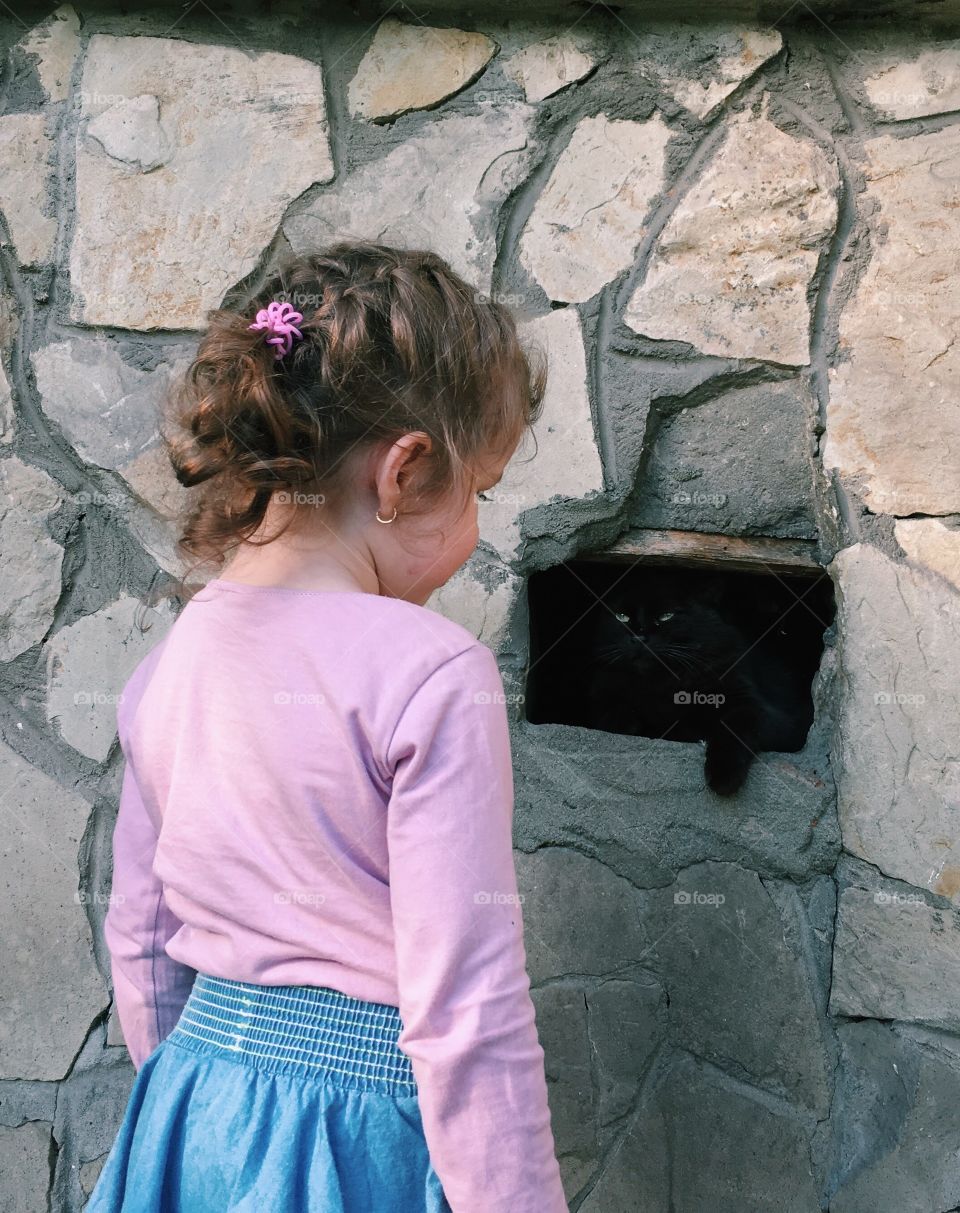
[279, 319]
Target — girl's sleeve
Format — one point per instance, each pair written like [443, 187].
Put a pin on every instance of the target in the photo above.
[149, 988]
[464, 993]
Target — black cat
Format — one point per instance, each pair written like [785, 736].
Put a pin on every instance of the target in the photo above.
[673, 658]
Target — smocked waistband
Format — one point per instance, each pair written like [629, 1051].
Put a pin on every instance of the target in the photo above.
[311, 1031]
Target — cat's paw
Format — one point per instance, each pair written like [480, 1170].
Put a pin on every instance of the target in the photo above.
[725, 769]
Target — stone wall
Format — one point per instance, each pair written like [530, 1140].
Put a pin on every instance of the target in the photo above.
[737, 245]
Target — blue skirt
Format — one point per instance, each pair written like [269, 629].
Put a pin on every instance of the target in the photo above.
[272, 1099]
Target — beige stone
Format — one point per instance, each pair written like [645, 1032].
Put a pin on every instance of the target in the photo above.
[484, 612]
[721, 55]
[910, 85]
[931, 544]
[544, 68]
[88, 664]
[25, 1166]
[56, 43]
[48, 944]
[25, 152]
[30, 560]
[893, 427]
[567, 462]
[589, 218]
[411, 67]
[730, 271]
[441, 190]
[895, 958]
[894, 748]
[169, 130]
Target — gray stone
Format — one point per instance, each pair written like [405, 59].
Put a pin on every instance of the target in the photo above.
[545, 67]
[894, 743]
[88, 663]
[721, 55]
[932, 545]
[579, 917]
[908, 1160]
[477, 160]
[560, 458]
[56, 43]
[589, 218]
[203, 114]
[25, 152]
[737, 465]
[30, 561]
[49, 944]
[892, 428]
[412, 67]
[626, 1022]
[731, 269]
[895, 957]
[562, 1029]
[701, 1142]
[25, 1167]
[641, 805]
[739, 990]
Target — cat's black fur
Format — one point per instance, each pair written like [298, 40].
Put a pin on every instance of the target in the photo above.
[660, 647]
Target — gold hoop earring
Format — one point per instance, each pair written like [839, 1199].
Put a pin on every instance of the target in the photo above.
[390, 519]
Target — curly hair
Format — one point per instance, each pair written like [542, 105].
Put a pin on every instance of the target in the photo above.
[394, 340]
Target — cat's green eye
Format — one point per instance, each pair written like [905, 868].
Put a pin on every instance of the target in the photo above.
[665, 616]
[623, 616]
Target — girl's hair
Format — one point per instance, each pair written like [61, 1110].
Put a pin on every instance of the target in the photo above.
[394, 340]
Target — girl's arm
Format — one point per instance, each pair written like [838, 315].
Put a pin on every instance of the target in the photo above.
[149, 988]
[468, 1019]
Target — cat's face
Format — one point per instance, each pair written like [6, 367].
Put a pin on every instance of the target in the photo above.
[661, 629]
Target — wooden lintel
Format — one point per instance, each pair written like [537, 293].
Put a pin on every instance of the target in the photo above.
[796, 557]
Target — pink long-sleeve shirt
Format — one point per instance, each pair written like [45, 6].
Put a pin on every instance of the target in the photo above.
[318, 791]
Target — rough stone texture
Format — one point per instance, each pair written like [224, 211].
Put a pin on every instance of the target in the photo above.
[412, 67]
[895, 740]
[721, 950]
[87, 664]
[687, 1149]
[904, 84]
[51, 991]
[545, 67]
[721, 55]
[482, 611]
[477, 160]
[931, 544]
[198, 117]
[9, 325]
[738, 465]
[641, 805]
[56, 44]
[901, 1091]
[891, 423]
[30, 560]
[25, 1167]
[589, 218]
[730, 271]
[25, 151]
[895, 957]
[562, 459]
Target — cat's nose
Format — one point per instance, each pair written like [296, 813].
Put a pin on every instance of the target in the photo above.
[640, 637]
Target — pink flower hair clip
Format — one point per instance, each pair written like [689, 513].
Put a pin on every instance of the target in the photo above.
[280, 320]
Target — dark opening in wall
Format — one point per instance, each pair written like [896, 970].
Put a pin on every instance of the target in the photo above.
[666, 637]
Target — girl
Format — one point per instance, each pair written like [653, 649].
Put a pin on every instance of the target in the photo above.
[316, 942]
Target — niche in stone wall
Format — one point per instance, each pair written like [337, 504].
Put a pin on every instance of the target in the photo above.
[684, 637]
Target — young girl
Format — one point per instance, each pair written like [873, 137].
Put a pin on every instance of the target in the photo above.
[316, 941]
